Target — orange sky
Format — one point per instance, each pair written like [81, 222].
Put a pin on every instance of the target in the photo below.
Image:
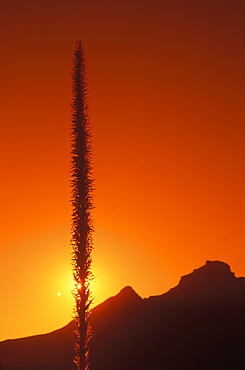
[167, 88]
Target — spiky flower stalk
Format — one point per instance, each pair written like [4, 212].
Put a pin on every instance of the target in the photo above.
[82, 225]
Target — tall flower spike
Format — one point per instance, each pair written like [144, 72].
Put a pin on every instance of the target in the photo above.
[82, 204]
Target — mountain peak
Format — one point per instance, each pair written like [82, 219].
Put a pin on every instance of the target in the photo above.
[214, 279]
[218, 266]
[213, 272]
[128, 294]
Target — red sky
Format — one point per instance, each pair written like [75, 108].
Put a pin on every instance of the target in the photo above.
[167, 110]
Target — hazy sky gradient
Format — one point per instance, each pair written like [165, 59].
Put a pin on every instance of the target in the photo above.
[167, 88]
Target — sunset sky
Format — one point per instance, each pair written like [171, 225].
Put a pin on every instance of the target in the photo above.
[167, 108]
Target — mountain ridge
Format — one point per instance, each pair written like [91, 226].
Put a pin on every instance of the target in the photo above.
[202, 319]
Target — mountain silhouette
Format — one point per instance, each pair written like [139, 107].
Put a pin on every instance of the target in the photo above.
[199, 325]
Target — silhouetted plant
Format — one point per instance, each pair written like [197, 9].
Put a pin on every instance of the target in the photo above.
[82, 225]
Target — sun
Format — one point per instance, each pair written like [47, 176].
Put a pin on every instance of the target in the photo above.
[58, 293]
